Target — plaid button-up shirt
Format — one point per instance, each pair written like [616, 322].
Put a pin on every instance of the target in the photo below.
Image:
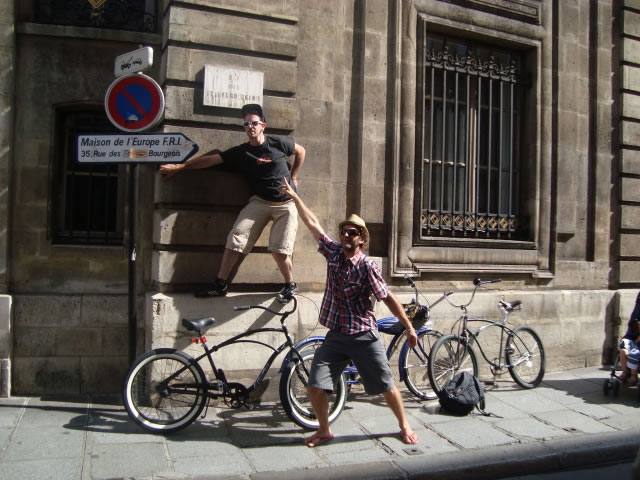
[346, 306]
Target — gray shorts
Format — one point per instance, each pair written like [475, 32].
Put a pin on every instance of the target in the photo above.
[365, 350]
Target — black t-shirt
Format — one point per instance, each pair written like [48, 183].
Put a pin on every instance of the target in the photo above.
[263, 166]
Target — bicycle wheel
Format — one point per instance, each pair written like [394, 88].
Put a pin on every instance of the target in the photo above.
[524, 354]
[295, 398]
[450, 355]
[164, 390]
[414, 365]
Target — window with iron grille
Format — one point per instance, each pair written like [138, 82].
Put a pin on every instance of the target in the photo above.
[88, 202]
[469, 140]
[132, 15]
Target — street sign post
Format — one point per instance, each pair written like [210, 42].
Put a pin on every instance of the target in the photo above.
[134, 103]
[134, 148]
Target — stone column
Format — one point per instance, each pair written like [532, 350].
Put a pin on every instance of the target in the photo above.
[7, 59]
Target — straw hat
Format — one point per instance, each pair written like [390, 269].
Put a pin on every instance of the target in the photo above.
[355, 220]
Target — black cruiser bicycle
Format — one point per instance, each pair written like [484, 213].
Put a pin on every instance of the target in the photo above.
[166, 389]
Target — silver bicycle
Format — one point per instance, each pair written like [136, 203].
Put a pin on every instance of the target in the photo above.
[521, 350]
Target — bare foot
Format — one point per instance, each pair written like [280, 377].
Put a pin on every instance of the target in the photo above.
[317, 438]
[409, 437]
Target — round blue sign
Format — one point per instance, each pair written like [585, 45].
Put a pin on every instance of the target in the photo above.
[134, 103]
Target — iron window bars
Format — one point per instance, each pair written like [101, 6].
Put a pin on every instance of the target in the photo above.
[469, 145]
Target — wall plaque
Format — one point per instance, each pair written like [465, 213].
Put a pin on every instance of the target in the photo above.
[231, 87]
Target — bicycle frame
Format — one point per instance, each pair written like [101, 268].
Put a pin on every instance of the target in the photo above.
[472, 339]
[243, 338]
[221, 383]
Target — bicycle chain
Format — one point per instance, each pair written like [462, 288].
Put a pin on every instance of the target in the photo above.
[235, 395]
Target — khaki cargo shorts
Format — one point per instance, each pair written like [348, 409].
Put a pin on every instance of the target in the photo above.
[255, 216]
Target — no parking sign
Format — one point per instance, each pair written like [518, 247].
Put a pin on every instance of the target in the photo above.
[134, 103]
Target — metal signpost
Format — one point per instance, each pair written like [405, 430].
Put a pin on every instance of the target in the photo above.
[134, 103]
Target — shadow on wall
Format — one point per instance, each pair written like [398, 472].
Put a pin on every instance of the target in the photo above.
[194, 212]
[612, 333]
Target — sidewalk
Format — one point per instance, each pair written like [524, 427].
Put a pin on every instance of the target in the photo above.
[566, 422]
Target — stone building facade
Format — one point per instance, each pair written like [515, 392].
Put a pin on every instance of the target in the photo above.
[477, 138]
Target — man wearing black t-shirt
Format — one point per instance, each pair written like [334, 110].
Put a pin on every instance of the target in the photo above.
[263, 162]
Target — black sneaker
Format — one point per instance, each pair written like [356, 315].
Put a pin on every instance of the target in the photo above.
[215, 290]
[288, 291]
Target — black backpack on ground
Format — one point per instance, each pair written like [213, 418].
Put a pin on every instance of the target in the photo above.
[462, 394]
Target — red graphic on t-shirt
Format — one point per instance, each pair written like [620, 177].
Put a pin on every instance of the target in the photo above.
[263, 160]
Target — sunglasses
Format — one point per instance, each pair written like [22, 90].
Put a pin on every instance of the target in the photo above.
[253, 123]
[352, 232]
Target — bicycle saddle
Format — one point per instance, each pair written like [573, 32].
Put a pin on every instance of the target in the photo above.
[511, 305]
[199, 324]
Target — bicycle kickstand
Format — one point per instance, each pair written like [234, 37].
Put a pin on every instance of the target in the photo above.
[206, 409]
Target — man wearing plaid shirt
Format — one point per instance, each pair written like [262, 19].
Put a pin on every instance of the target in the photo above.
[347, 311]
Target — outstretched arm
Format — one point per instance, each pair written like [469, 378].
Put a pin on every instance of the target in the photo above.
[307, 216]
[203, 161]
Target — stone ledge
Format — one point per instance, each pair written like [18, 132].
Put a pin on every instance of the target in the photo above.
[88, 33]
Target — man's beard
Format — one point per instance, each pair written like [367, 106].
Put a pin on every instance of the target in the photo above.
[350, 247]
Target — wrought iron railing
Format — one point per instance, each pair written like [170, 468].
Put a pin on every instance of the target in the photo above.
[134, 15]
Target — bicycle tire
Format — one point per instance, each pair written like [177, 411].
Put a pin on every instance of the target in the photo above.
[310, 346]
[450, 355]
[295, 398]
[525, 356]
[158, 402]
[414, 365]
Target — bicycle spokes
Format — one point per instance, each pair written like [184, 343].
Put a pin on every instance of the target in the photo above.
[525, 357]
[449, 356]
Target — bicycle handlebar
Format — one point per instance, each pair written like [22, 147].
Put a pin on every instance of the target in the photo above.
[412, 284]
[267, 309]
[477, 283]
[409, 281]
[443, 297]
